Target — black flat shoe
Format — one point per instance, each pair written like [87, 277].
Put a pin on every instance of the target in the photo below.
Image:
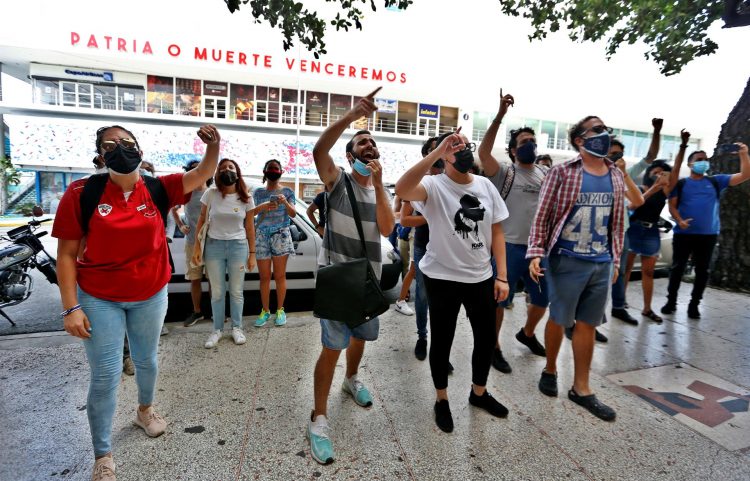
[443, 417]
[531, 342]
[488, 403]
[548, 384]
[624, 316]
[499, 362]
[599, 336]
[593, 405]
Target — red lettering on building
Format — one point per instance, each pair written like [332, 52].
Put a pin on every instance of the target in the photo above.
[109, 41]
[377, 74]
[364, 73]
[122, 45]
[74, 38]
[341, 70]
[230, 56]
[147, 48]
[289, 63]
[329, 68]
[391, 76]
[403, 78]
[303, 65]
[315, 67]
[200, 54]
[174, 50]
[92, 42]
[243, 59]
[213, 55]
[267, 61]
[353, 72]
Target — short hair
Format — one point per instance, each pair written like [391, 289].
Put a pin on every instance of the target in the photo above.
[577, 129]
[690, 157]
[514, 139]
[98, 162]
[100, 134]
[616, 143]
[269, 162]
[191, 165]
[350, 144]
[544, 157]
[427, 146]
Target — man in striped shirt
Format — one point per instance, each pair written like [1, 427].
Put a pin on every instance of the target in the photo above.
[341, 243]
[579, 229]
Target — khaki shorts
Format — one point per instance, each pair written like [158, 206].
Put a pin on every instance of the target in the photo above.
[191, 273]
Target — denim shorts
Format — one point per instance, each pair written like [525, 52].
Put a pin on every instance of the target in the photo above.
[336, 335]
[644, 240]
[518, 268]
[578, 290]
[275, 244]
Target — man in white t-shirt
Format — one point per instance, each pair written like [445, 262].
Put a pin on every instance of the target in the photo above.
[464, 212]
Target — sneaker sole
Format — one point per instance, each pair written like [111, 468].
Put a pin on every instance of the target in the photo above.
[312, 454]
[346, 390]
[136, 422]
[404, 313]
[260, 325]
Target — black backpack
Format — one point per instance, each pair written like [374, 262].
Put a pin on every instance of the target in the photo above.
[94, 188]
[681, 184]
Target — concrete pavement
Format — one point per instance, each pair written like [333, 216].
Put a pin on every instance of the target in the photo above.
[239, 412]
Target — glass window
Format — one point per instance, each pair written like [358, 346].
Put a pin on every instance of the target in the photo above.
[407, 118]
[84, 95]
[273, 104]
[448, 119]
[481, 123]
[188, 98]
[340, 104]
[547, 132]
[642, 141]
[363, 123]
[243, 97]
[562, 136]
[160, 94]
[385, 121]
[628, 139]
[68, 94]
[46, 92]
[261, 93]
[289, 96]
[131, 99]
[316, 108]
[105, 97]
[216, 89]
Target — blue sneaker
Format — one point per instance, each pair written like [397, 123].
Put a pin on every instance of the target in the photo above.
[321, 447]
[262, 318]
[280, 317]
[358, 391]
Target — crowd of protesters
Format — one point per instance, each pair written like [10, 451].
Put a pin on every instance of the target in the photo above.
[567, 232]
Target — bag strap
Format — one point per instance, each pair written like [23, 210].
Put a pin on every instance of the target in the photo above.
[355, 212]
[510, 176]
[158, 194]
[92, 192]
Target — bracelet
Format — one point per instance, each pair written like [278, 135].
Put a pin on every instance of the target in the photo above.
[501, 280]
[251, 252]
[73, 309]
[497, 121]
[683, 146]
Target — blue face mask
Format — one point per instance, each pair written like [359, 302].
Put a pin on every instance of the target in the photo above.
[700, 167]
[598, 145]
[526, 154]
[361, 168]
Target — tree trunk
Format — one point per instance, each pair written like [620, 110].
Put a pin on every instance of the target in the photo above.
[731, 269]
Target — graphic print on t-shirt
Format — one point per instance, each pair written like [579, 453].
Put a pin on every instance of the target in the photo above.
[467, 220]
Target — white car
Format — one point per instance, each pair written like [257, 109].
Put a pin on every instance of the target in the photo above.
[301, 268]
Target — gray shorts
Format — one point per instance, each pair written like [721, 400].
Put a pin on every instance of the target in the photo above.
[578, 290]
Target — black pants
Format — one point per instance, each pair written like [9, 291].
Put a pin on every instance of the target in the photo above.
[701, 247]
[445, 299]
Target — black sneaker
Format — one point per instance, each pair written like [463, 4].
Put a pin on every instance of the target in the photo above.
[499, 362]
[192, 319]
[594, 406]
[669, 308]
[624, 316]
[599, 336]
[443, 417]
[420, 350]
[693, 312]
[488, 403]
[531, 342]
[548, 384]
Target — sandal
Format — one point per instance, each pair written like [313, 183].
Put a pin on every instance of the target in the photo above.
[652, 315]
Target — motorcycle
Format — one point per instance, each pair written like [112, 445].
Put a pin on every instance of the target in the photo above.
[18, 258]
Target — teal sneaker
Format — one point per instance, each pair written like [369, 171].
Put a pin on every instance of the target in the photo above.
[280, 317]
[262, 318]
[358, 391]
[321, 447]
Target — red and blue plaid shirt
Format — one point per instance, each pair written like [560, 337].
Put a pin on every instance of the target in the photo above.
[558, 197]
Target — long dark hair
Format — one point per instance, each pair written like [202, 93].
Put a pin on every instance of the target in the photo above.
[272, 161]
[242, 192]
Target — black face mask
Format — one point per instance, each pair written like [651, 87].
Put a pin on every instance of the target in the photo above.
[122, 160]
[439, 164]
[273, 176]
[464, 161]
[228, 177]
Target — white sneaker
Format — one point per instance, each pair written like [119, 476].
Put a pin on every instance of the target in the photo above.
[403, 308]
[213, 339]
[238, 336]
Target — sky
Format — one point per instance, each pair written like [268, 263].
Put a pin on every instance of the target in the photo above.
[454, 53]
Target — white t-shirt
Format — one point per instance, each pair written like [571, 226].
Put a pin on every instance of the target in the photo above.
[226, 216]
[460, 217]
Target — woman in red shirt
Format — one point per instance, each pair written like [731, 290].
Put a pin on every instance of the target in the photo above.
[118, 285]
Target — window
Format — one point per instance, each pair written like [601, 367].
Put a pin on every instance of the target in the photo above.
[316, 108]
[481, 123]
[105, 97]
[160, 94]
[188, 98]
[131, 99]
[340, 104]
[407, 118]
[46, 92]
[546, 137]
[448, 119]
[243, 100]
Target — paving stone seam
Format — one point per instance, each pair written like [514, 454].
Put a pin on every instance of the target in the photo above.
[391, 425]
[251, 415]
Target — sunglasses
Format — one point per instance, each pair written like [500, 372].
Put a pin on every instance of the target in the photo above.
[110, 145]
[598, 129]
[471, 146]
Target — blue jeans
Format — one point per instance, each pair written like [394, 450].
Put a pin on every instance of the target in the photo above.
[222, 256]
[420, 303]
[618, 288]
[110, 321]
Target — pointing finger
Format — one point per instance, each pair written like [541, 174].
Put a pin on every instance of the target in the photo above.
[373, 93]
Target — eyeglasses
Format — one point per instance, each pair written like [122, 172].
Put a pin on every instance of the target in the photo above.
[110, 145]
[598, 129]
[471, 146]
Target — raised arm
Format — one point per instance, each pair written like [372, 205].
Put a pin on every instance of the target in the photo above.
[632, 192]
[653, 149]
[674, 176]
[490, 165]
[409, 186]
[744, 173]
[205, 170]
[327, 170]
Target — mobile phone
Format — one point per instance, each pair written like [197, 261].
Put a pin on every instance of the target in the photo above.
[729, 148]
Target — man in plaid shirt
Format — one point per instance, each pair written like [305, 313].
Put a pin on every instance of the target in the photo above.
[579, 230]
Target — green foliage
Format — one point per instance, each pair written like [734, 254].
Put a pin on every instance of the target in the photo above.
[674, 30]
[25, 209]
[294, 20]
[12, 176]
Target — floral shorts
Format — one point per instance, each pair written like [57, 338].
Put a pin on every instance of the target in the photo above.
[275, 244]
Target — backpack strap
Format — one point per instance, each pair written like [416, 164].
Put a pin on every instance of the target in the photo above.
[681, 184]
[92, 192]
[716, 185]
[510, 176]
[158, 195]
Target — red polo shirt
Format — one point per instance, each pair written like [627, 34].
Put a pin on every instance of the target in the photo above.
[126, 257]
